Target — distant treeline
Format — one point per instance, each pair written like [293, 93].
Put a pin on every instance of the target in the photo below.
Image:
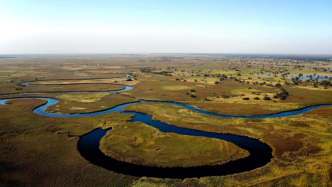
[7, 57]
[274, 56]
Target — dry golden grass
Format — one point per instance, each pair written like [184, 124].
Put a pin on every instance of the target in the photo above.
[88, 81]
[85, 103]
[83, 98]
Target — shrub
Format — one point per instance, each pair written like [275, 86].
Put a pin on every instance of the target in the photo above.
[267, 97]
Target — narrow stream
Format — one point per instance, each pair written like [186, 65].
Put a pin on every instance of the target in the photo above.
[88, 146]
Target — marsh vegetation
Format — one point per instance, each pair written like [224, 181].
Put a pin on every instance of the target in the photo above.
[233, 85]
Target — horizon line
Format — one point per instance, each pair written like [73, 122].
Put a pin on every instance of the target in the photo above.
[154, 53]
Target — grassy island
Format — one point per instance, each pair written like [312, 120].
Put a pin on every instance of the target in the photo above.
[140, 144]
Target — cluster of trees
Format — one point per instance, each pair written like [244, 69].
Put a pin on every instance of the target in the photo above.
[167, 73]
[259, 83]
[222, 77]
[314, 80]
[178, 79]
[237, 80]
[155, 71]
[322, 69]
[148, 69]
[281, 95]
[325, 83]
[191, 93]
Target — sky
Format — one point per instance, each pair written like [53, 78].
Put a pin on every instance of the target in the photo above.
[172, 26]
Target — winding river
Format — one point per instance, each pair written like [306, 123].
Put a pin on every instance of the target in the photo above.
[88, 144]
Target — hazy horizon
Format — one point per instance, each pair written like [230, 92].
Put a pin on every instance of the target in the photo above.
[147, 53]
[169, 27]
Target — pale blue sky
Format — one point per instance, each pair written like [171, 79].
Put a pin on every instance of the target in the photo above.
[210, 26]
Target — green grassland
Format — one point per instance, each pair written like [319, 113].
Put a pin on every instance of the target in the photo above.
[143, 145]
[37, 151]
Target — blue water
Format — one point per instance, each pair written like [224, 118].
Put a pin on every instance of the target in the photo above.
[306, 77]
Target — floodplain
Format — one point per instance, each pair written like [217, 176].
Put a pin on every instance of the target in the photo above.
[236, 85]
